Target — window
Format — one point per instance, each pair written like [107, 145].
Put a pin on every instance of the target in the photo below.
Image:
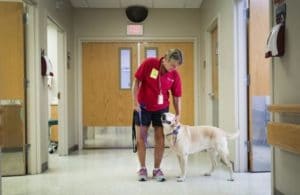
[125, 68]
[151, 52]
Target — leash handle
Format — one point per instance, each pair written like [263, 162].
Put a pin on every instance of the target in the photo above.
[134, 144]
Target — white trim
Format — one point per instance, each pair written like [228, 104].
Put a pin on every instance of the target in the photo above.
[33, 97]
[208, 84]
[240, 67]
[138, 53]
[78, 70]
[78, 94]
[63, 127]
[272, 117]
[197, 86]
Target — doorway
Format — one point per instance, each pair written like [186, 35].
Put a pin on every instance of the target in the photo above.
[259, 154]
[56, 77]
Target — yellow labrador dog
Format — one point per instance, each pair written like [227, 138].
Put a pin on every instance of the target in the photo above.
[185, 140]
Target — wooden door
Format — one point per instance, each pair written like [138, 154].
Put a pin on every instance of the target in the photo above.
[104, 102]
[12, 92]
[259, 88]
[186, 72]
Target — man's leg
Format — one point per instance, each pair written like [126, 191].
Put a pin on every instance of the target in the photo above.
[158, 153]
[159, 146]
[141, 148]
[141, 152]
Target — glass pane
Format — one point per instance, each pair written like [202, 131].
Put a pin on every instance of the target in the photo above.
[151, 52]
[260, 147]
[125, 66]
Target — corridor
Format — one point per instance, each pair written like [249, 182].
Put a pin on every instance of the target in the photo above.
[113, 172]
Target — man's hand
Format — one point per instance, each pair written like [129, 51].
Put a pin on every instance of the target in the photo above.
[137, 107]
[177, 119]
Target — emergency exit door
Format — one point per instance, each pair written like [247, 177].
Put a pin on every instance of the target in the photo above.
[107, 107]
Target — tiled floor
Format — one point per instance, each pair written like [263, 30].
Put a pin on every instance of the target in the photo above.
[95, 172]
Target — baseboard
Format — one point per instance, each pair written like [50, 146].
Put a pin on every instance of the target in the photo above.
[277, 192]
[73, 148]
[45, 166]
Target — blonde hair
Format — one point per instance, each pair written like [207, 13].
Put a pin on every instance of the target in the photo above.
[174, 54]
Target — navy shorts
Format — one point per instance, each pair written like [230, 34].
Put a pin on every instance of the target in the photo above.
[149, 117]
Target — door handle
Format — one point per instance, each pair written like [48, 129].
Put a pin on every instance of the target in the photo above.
[211, 94]
[58, 95]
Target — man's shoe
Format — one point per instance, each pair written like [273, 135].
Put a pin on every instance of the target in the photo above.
[158, 175]
[142, 174]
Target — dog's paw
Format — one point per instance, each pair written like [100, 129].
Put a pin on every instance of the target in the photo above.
[180, 179]
[230, 179]
[207, 174]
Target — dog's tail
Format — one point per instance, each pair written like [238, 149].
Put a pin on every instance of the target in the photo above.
[232, 135]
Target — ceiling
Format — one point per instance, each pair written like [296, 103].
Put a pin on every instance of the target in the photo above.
[146, 3]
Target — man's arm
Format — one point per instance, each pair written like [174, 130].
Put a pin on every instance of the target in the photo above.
[135, 90]
[177, 106]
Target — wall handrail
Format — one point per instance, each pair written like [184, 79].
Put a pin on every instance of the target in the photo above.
[284, 108]
[285, 136]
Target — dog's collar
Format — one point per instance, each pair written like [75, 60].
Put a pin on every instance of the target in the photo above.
[175, 131]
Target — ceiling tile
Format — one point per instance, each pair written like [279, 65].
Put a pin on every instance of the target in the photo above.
[168, 3]
[193, 3]
[146, 3]
[79, 3]
[104, 3]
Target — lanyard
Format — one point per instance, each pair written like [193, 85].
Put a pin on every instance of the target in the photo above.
[159, 80]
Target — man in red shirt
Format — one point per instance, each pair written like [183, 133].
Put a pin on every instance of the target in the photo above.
[153, 80]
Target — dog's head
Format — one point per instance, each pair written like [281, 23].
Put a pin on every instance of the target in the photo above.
[169, 122]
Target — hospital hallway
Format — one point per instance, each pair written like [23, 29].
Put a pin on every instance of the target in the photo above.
[113, 172]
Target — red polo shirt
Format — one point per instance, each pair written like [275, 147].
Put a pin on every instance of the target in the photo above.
[150, 76]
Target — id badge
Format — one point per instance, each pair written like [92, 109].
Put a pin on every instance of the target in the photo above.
[160, 99]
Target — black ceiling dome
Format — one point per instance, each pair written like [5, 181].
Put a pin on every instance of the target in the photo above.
[136, 13]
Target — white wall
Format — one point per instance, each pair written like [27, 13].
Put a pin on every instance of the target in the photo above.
[159, 23]
[286, 166]
[223, 12]
[63, 17]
